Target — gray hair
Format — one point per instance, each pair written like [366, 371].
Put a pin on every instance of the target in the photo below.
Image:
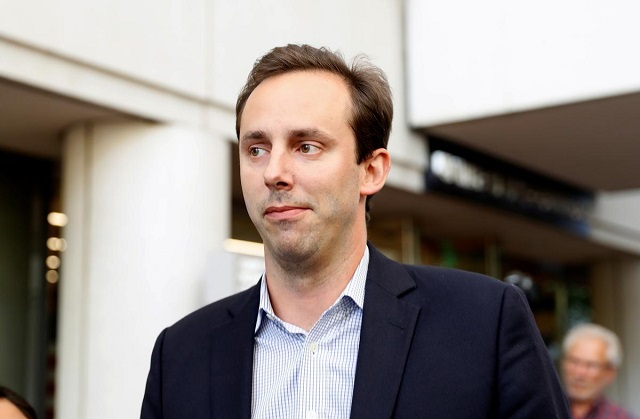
[590, 330]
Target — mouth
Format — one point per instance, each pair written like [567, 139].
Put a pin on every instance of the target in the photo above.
[285, 212]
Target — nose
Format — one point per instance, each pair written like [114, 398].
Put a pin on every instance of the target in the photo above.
[278, 172]
[580, 370]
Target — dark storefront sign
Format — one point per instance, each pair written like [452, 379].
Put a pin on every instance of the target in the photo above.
[463, 172]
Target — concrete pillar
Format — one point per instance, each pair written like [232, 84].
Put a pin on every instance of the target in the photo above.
[629, 376]
[148, 205]
[616, 305]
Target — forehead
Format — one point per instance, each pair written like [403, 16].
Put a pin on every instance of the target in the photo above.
[311, 95]
[589, 348]
[304, 81]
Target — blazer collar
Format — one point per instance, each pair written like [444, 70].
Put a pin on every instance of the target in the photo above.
[387, 274]
[232, 355]
[388, 324]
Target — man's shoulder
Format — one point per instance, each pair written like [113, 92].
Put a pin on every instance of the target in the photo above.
[609, 409]
[431, 274]
[436, 276]
[432, 280]
[215, 314]
[444, 273]
[454, 288]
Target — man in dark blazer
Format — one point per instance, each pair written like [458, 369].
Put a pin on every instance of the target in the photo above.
[404, 341]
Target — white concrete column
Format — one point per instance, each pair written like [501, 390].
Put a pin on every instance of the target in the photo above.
[616, 304]
[629, 377]
[148, 205]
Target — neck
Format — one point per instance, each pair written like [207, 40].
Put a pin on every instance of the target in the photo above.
[580, 408]
[299, 296]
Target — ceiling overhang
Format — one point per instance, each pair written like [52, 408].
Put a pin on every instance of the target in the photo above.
[592, 144]
[32, 120]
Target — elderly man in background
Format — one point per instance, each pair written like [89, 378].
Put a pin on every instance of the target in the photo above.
[592, 356]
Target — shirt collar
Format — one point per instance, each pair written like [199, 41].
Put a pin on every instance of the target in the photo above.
[353, 290]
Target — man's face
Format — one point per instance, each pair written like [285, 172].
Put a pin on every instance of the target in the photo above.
[300, 180]
[586, 371]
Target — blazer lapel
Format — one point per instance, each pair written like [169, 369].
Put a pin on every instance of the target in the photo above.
[385, 338]
[232, 360]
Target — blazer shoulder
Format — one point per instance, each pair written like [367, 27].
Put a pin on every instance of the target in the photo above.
[402, 279]
[217, 313]
[454, 278]
[449, 289]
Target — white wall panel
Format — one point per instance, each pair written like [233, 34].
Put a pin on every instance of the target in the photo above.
[469, 59]
[156, 41]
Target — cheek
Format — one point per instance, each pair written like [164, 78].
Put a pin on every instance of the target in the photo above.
[250, 195]
[603, 379]
[249, 181]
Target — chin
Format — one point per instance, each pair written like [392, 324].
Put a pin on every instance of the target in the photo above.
[293, 251]
[580, 396]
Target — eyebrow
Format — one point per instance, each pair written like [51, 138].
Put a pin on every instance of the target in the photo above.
[296, 133]
[253, 135]
[311, 132]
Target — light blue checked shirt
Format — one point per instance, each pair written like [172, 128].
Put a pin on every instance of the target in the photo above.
[308, 375]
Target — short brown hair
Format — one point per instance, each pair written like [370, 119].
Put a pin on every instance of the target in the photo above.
[371, 103]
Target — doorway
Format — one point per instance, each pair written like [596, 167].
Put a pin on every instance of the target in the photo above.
[28, 296]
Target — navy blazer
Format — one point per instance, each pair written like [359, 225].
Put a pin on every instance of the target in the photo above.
[435, 343]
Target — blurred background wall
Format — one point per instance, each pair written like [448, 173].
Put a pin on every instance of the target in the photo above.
[514, 150]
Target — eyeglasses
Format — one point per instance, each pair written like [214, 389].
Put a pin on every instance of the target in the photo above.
[591, 366]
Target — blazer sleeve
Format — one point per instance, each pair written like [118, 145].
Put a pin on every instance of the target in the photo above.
[152, 401]
[528, 385]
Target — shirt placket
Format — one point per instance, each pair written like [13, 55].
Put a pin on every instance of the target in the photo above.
[314, 383]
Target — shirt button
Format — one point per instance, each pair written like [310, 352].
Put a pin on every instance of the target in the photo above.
[311, 414]
[313, 347]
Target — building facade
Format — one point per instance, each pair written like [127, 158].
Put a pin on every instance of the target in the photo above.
[119, 120]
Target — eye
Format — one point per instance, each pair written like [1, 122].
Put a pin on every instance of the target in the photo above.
[308, 149]
[256, 151]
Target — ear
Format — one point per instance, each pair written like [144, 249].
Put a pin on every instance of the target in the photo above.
[375, 171]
